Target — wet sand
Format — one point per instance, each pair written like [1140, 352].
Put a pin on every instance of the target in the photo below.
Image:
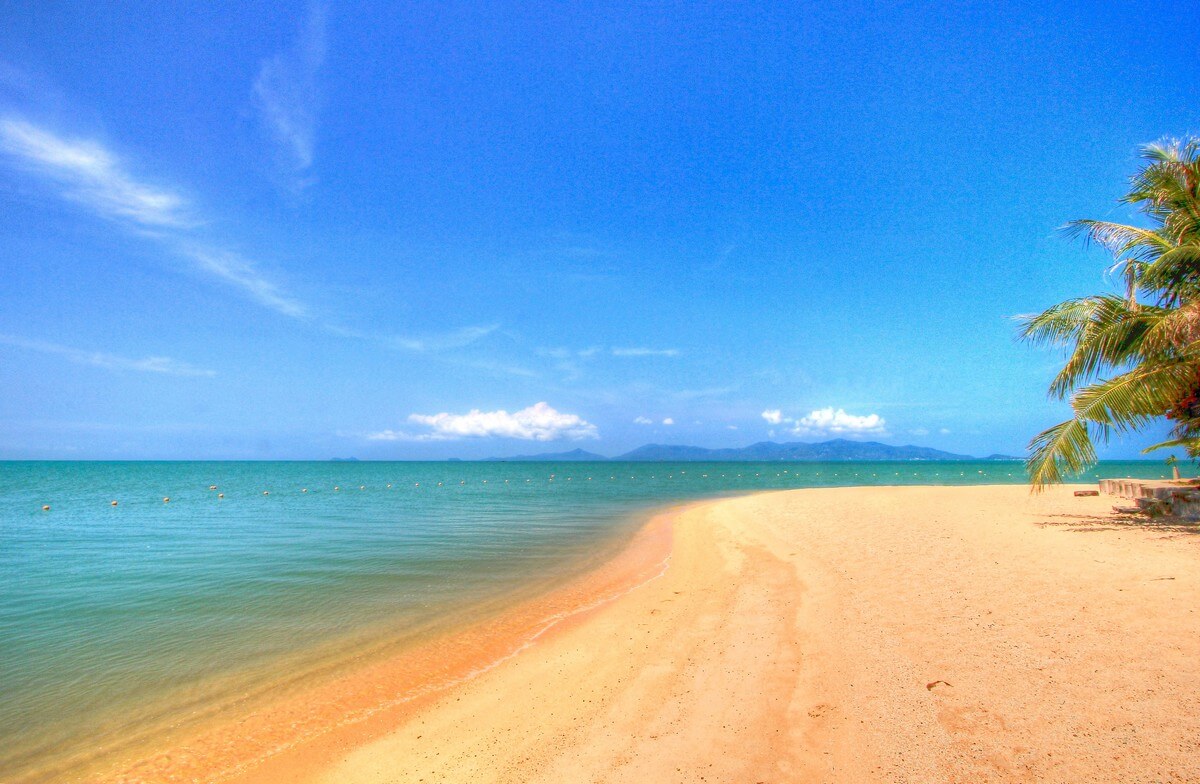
[915, 634]
[285, 738]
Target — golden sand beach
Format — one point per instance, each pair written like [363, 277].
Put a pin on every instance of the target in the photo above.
[906, 634]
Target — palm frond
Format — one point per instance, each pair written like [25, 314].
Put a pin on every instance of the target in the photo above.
[1119, 239]
[1191, 443]
[1135, 398]
[1058, 452]
[1176, 273]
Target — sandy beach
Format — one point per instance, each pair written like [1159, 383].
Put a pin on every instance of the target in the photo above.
[913, 634]
[903, 634]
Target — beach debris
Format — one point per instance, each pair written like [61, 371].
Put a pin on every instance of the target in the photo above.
[929, 686]
[1081, 493]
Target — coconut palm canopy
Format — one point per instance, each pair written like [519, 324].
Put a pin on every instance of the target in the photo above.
[1132, 357]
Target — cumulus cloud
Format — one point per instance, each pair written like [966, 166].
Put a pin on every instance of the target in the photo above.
[827, 421]
[286, 93]
[919, 431]
[162, 365]
[668, 421]
[538, 422]
[92, 176]
[643, 420]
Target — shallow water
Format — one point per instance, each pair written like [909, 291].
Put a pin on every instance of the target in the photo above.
[119, 620]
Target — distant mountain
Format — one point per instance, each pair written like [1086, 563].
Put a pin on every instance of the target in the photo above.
[577, 455]
[838, 449]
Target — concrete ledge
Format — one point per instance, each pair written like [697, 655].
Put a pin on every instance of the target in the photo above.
[1181, 497]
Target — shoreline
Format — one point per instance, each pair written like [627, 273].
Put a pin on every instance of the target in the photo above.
[902, 633]
[923, 634]
[311, 721]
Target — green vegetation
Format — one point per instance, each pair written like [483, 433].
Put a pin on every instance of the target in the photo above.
[1135, 356]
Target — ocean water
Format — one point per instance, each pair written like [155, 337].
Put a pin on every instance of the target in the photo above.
[119, 620]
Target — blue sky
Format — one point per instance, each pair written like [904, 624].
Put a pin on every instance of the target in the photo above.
[291, 230]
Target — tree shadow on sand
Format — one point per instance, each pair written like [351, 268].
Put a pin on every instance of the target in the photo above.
[1166, 525]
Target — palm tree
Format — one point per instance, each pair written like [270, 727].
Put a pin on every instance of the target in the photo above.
[1131, 358]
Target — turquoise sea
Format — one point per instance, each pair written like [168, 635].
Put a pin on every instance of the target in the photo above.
[119, 620]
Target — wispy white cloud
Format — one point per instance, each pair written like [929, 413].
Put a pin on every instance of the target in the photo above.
[639, 351]
[668, 421]
[698, 394]
[89, 174]
[828, 421]
[286, 93]
[93, 176]
[538, 422]
[163, 365]
[442, 341]
[241, 273]
[643, 420]
[594, 351]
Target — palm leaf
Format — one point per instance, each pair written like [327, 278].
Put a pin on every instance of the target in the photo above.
[1058, 452]
[1191, 443]
[1135, 398]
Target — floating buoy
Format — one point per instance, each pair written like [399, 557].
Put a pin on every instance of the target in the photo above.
[114, 503]
[304, 490]
[220, 495]
[418, 484]
[336, 488]
[362, 487]
[212, 487]
[46, 508]
[166, 499]
[389, 487]
[266, 492]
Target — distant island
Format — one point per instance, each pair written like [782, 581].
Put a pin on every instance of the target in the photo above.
[837, 449]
